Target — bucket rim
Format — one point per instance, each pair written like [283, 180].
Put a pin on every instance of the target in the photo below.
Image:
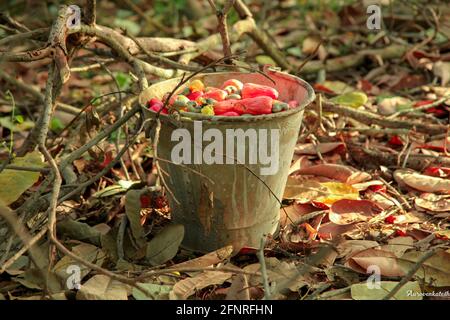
[191, 116]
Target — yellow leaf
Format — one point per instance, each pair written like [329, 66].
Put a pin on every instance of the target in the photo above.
[338, 191]
[16, 182]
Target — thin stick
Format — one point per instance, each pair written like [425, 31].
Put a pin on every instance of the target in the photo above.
[410, 273]
[262, 262]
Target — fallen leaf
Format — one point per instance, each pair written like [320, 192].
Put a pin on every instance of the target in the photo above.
[433, 202]
[409, 291]
[311, 149]
[208, 259]
[239, 289]
[187, 287]
[332, 171]
[164, 246]
[421, 182]
[353, 99]
[350, 211]
[18, 181]
[304, 191]
[338, 87]
[293, 212]
[435, 271]
[101, 287]
[398, 245]
[79, 230]
[384, 260]
[347, 248]
[133, 212]
[86, 251]
[337, 191]
[158, 291]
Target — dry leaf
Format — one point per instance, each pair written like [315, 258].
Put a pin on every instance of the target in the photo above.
[351, 211]
[361, 291]
[187, 287]
[433, 202]
[101, 287]
[422, 182]
[384, 260]
[311, 149]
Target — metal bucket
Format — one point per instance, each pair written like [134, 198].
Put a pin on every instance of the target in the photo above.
[223, 204]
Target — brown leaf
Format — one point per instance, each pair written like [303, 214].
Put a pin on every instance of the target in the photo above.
[239, 289]
[293, 212]
[421, 182]
[187, 287]
[435, 271]
[399, 245]
[208, 259]
[311, 149]
[433, 202]
[332, 171]
[350, 211]
[386, 261]
[347, 248]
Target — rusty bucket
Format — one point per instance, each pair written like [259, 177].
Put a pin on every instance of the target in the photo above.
[229, 202]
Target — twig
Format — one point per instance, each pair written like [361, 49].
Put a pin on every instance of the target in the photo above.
[24, 249]
[410, 273]
[372, 118]
[309, 216]
[52, 228]
[90, 13]
[262, 262]
[223, 25]
[29, 89]
[260, 37]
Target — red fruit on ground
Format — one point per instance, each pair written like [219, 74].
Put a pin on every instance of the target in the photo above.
[390, 219]
[251, 90]
[395, 141]
[400, 233]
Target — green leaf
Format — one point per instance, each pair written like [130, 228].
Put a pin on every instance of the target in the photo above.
[132, 27]
[338, 87]
[262, 59]
[133, 212]
[16, 127]
[19, 118]
[79, 231]
[158, 291]
[123, 80]
[16, 182]
[164, 246]
[354, 99]
[410, 291]
[56, 124]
